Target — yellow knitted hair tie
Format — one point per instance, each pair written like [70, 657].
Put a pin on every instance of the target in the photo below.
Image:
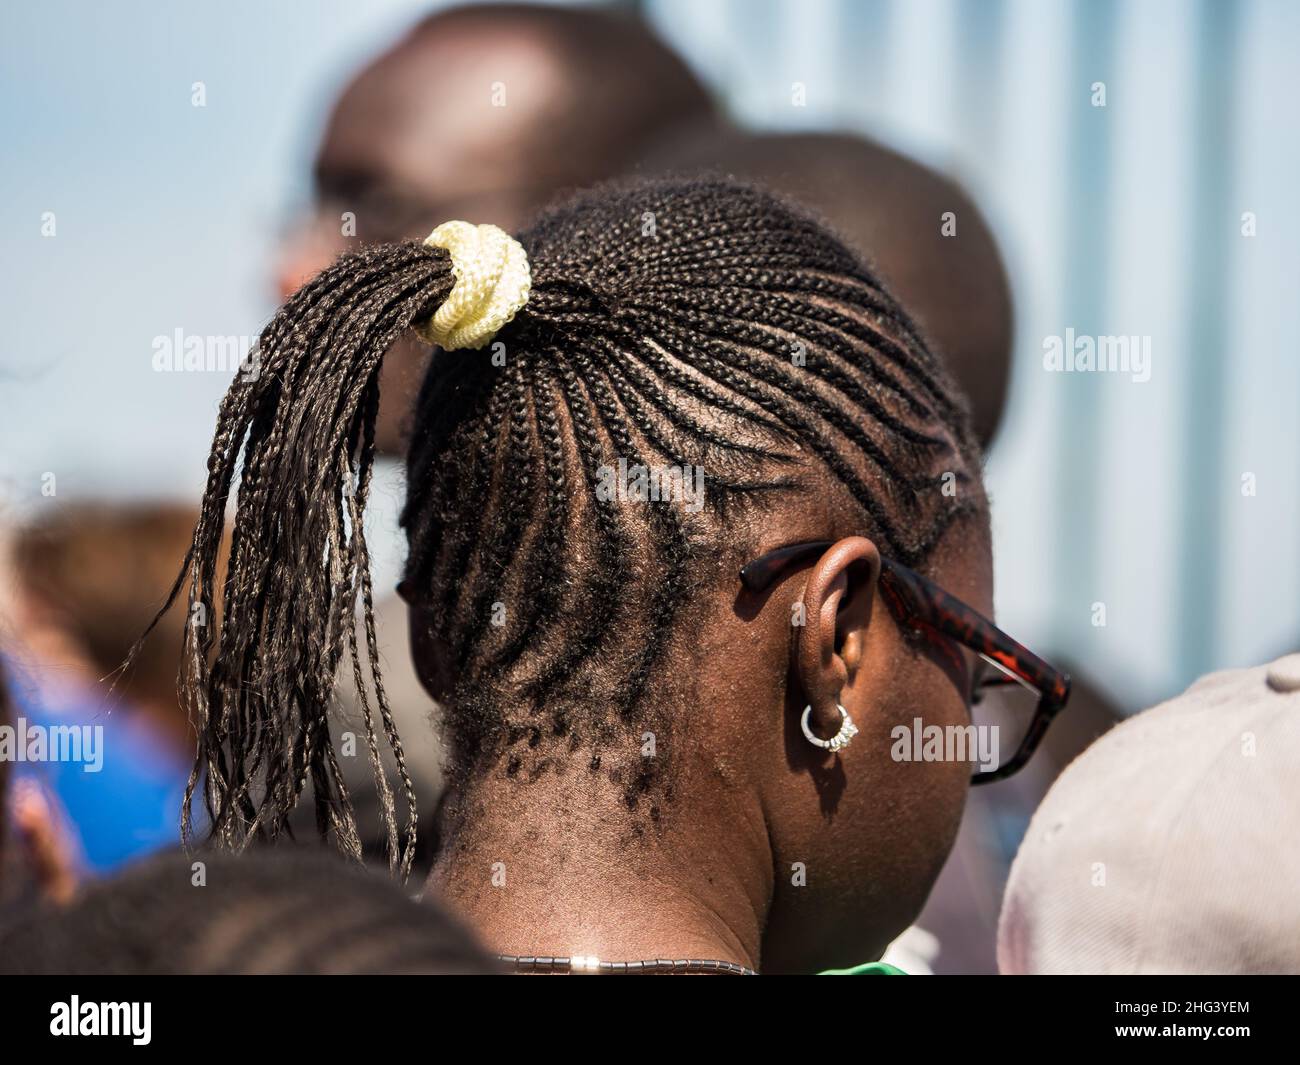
[492, 283]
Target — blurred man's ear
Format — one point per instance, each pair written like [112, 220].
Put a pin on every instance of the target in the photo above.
[427, 652]
[304, 255]
[42, 839]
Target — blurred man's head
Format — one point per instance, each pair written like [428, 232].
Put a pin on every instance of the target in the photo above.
[1204, 880]
[90, 577]
[298, 910]
[892, 210]
[484, 113]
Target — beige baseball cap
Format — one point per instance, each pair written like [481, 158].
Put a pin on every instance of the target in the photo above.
[1172, 844]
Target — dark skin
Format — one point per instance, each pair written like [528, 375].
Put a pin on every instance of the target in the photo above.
[752, 796]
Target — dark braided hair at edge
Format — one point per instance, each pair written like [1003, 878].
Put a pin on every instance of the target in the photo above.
[660, 328]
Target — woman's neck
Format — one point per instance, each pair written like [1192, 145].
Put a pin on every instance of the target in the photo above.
[560, 868]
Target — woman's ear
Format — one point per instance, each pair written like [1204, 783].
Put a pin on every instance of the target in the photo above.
[831, 644]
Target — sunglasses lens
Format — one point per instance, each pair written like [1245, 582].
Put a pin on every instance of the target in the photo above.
[1001, 712]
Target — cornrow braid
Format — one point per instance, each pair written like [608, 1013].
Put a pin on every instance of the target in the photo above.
[688, 324]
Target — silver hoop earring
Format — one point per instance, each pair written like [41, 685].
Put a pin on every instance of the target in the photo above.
[837, 742]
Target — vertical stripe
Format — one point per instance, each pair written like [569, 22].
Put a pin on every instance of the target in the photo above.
[1205, 486]
[977, 106]
[1087, 248]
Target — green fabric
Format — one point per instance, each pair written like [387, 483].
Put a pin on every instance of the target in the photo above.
[871, 968]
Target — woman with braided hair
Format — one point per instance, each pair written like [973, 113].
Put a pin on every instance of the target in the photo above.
[648, 704]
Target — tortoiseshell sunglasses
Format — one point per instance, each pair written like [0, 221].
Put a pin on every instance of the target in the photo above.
[920, 605]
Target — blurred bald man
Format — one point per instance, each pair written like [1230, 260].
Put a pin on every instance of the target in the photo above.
[486, 114]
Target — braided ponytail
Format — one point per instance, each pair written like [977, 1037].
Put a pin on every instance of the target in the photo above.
[302, 415]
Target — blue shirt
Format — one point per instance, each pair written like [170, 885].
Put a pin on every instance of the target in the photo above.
[131, 806]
